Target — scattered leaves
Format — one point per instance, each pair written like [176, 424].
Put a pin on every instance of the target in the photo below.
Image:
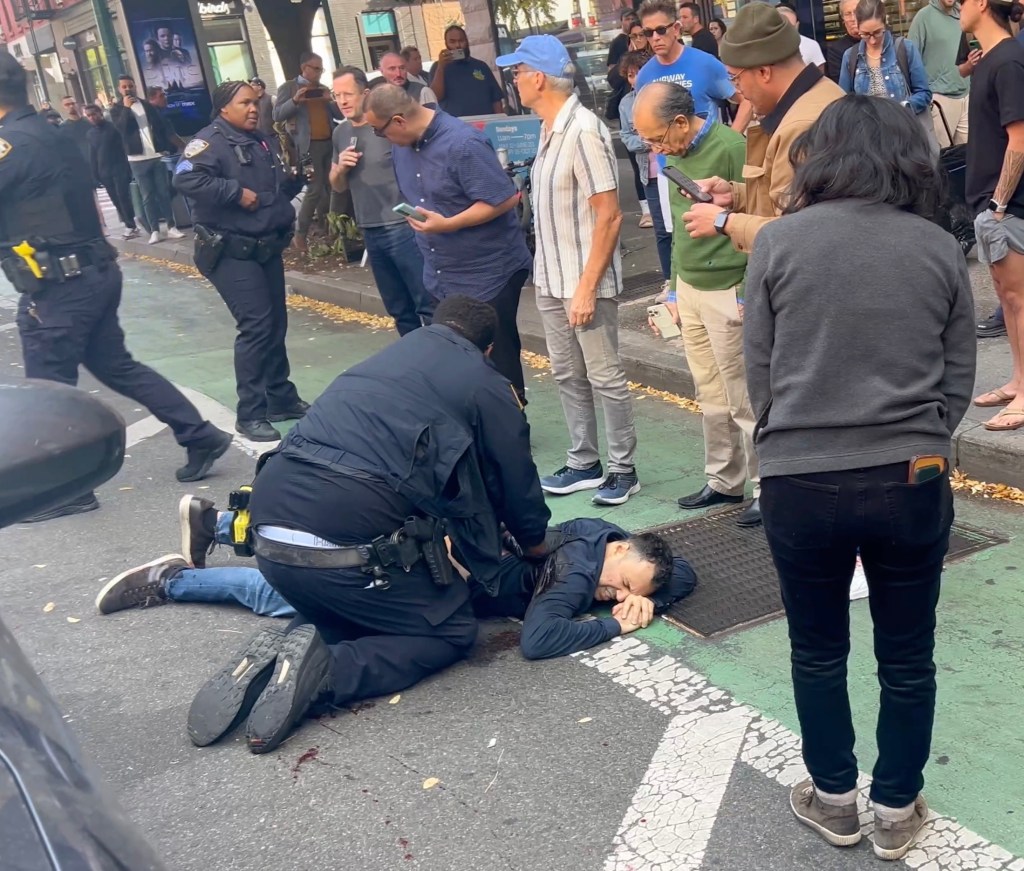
[394, 700]
[585, 720]
[962, 484]
[74, 620]
[48, 607]
[430, 782]
[492, 742]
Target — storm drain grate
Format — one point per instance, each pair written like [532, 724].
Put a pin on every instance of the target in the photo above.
[641, 285]
[737, 585]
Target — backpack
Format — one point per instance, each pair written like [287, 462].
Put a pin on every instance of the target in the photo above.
[901, 60]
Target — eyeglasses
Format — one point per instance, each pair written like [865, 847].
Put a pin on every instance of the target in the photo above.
[875, 34]
[381, 131]
[650, 143]
[734, 78]
[661, 31]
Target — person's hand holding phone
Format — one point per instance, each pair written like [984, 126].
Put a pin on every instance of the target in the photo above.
[302, 94]
[445, 57]
[434, 222]
[720, 190]
[349, 158]
[973, 58]
[249, 200]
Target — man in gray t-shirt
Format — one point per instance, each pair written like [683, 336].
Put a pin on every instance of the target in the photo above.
[362, 160]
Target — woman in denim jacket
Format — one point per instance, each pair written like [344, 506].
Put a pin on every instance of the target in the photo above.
[876, 69]
[629, 66]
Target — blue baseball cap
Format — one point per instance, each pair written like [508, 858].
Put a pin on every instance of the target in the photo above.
[543, 53]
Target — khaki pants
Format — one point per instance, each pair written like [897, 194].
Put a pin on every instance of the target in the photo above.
[955, 111]
[713, 341]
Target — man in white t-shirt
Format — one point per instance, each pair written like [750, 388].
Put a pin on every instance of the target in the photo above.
[147, 137]
[810, 50]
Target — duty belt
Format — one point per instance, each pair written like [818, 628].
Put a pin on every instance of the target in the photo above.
[397, 550]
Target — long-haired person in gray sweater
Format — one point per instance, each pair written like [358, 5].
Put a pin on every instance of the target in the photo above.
[860, 355]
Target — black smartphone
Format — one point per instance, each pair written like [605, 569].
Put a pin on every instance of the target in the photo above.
[686, 185]
[315, 93]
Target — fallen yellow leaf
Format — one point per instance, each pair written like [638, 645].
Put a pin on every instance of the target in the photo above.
[430, 782]
[48, 607]
[585, 720]
[122, 489]
[395, 699]
[74, 620]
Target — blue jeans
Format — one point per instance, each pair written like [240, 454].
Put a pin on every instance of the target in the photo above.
[228, 583]
[397, 267]
[663, 236]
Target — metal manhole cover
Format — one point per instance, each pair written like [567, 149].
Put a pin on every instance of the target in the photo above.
[641, 285]
[737, 586]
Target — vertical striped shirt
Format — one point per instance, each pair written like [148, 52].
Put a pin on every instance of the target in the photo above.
[575, 161]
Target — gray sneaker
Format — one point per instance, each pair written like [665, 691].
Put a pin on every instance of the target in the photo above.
[839, 825]
[894, 840]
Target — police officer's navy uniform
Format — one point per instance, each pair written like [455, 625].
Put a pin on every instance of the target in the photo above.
[69, 318]
[425, 427]
[249, 274]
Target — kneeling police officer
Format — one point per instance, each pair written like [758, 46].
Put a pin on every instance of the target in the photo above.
[53, 251]
[240, 194]
[349, 515]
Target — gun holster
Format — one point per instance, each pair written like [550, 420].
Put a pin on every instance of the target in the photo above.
[209, 249]
[20, 275]
[270, 247]
[428, 533]
[241, 527]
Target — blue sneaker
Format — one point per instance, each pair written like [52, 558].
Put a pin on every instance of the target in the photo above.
[567, 480]
[616, 488]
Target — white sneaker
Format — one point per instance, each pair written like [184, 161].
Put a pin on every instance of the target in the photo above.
[175, 233]
[665, 291]
[130, 233]
[154, 237]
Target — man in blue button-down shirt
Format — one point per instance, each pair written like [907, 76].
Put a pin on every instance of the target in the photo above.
[470, 238]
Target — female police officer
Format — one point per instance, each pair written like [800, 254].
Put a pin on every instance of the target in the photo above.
[240, 196]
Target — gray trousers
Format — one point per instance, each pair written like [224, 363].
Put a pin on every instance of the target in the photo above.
[585, 362]
[317, 194]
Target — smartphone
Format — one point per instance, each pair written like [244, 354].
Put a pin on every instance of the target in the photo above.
[314, 93]
[686, 185]
[458, 54]
[353, 142]
[663, 320]
[409, 212]
[924, 468]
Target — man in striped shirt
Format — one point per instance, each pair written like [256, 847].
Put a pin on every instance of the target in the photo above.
[578, 272]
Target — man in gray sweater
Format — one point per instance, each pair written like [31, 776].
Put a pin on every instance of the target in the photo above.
[860, 365]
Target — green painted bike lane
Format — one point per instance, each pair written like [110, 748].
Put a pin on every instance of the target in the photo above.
[978, 746]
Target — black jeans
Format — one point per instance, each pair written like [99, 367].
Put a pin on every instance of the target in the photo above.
[119, 189]
[74, 324]
[508, 347]
[815, 526]
[255, 296]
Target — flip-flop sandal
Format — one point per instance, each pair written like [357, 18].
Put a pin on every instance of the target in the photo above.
[994, 426]
[1001, 398]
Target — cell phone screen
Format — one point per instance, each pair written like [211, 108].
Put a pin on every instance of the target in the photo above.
[315, 92]
[686, 184]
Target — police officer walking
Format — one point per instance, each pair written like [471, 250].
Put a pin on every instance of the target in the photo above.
[53, 251]
[240, 194]
[347, 528]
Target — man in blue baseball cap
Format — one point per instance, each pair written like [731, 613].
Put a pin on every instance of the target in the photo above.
[577, 271]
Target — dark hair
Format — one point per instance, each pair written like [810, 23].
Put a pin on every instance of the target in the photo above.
[1004, 13]
[627, 13]
[307, 56]
[356, 73]
[652, 548]
[153, 90]
[470, 318]
[150, 42]
[869, 9]
[672, 100]
[865, 148]
[695, 9]
[256, 80]
[163, 25]
[126, 79]
[721, 23]
[633, 60]
[224, 94]
[452, 27]
[653, 7]
[89, 106]
[13, 82]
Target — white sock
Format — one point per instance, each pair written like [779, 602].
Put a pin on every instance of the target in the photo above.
[836, 799]
[894, 814]
[644, 208]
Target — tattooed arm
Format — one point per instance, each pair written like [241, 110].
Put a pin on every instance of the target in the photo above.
[1013, 164]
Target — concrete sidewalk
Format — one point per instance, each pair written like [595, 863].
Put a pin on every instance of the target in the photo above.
[983, 455]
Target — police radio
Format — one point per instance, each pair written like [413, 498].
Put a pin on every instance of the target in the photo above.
[241, 536]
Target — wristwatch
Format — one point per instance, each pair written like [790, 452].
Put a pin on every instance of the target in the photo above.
[998, 208]
[720, 221]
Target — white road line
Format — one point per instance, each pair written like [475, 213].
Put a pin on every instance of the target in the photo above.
[142, 429]
[5, 327]
[670, 795]
[224, 418]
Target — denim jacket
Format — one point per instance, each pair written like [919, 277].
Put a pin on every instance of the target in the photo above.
[630, 138]
[916, 90]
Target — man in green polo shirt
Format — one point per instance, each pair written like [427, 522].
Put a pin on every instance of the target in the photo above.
[949, 63]
[707, 274]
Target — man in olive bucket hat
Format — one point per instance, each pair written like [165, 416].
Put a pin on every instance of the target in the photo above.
[761, 51]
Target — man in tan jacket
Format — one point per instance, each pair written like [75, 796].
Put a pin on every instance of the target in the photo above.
[762, 54]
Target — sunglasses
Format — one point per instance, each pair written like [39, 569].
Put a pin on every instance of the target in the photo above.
[660, 31]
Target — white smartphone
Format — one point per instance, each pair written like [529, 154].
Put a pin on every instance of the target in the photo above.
[353, 142]
[409, 212]
[663, 320]
[458, 54]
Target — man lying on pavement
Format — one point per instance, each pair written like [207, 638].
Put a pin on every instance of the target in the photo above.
[594, 562]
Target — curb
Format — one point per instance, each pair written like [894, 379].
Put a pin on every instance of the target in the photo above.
[982, 455]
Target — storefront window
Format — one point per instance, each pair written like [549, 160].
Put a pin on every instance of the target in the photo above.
[95, 75]
[230, 58]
